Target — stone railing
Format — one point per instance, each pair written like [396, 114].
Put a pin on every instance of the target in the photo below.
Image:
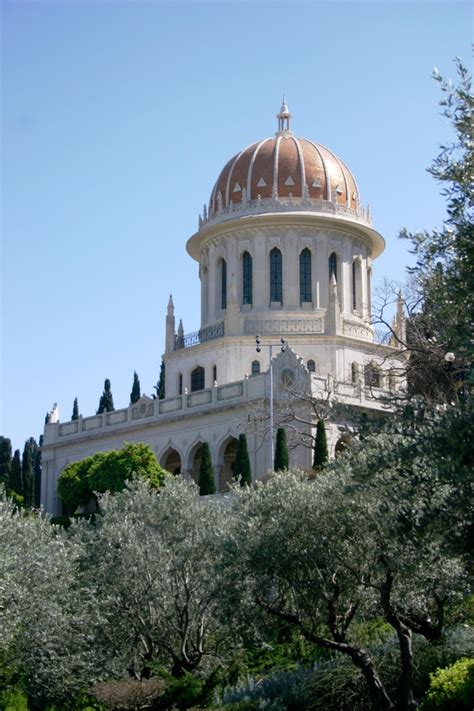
[284, 327]
[204, 334]
[276, 204]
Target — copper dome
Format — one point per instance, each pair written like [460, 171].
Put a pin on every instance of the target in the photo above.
[285, 166]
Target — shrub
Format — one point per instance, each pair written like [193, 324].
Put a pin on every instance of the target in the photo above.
[451, 689]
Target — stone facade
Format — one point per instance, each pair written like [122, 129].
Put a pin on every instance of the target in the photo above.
[296, 268]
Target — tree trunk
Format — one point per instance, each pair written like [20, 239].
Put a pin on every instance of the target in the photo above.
[379, 697]
[406, 653]
[404, 635]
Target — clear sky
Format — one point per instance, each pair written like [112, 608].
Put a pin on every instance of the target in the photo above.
[117, 118]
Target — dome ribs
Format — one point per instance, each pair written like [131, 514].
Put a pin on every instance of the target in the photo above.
[289, 170]
[261, 166]
[284, 165]
[238, 174]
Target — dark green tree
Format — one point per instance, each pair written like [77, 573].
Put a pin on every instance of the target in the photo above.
[38, 470]
[5, 460]
[28, 471]
[136, 393]
[320, 446]
[75, 410]
[106, 402]
[206, 472]
[108, 471]
[242, 468]
[160, 386]
[16, 481]
[281, 451]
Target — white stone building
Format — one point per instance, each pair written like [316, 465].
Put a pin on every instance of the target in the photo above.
[285, 251]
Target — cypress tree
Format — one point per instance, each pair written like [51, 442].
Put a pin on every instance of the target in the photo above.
[242, 468]
[320, 446]
[135, 394]
[106, 402]
[75, 410]
[16, 482]
[160, 387]
[5, 460]
[28, 471]
[206, 472]
[38, 470]
[281, 451]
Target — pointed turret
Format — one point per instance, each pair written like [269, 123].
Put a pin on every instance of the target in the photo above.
[333, 313]
[170, 327]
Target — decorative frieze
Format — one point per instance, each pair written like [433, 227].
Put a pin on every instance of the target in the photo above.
[285, 327]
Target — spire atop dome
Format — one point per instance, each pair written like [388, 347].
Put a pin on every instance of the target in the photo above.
[284, 119]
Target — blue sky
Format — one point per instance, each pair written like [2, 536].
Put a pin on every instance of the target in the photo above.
[117, 118]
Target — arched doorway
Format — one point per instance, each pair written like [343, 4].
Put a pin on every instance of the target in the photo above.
[171, 461]
[227, 458]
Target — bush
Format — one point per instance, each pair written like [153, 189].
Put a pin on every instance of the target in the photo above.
[451, 689]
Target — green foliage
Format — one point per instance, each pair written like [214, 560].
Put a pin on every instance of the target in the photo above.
[160, 387]
[108, 471]
[320, 446]
[206, 472]
[38, 468]
[13, 700]
[75, 410]
[106, 402]
[16, 481]
[5, 460]
[242, 470]
[281, 451]
[451, 689]
[28, 471]
[186, 691]
[135, 395]
[444, 269]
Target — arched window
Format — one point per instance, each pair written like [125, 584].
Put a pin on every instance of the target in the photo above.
[180, 384]
[372, 376]
[255, 367]
[276, 276]
[392, 380]
[333, 265]
[197, 379]
[247, 282]
[223, 284]
[311, 365]
[305, 276]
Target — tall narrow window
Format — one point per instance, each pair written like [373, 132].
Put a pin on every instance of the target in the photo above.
[333, 265]
[305, 276]
[369, 292]
[276, 285]
[197, 379]
[214, 373]
[247, 283]
[357, 286]
[180, 384]
[354, 290]
[223, 284]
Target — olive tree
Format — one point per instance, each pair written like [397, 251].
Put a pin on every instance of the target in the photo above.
[152, 555]
[45, 617]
